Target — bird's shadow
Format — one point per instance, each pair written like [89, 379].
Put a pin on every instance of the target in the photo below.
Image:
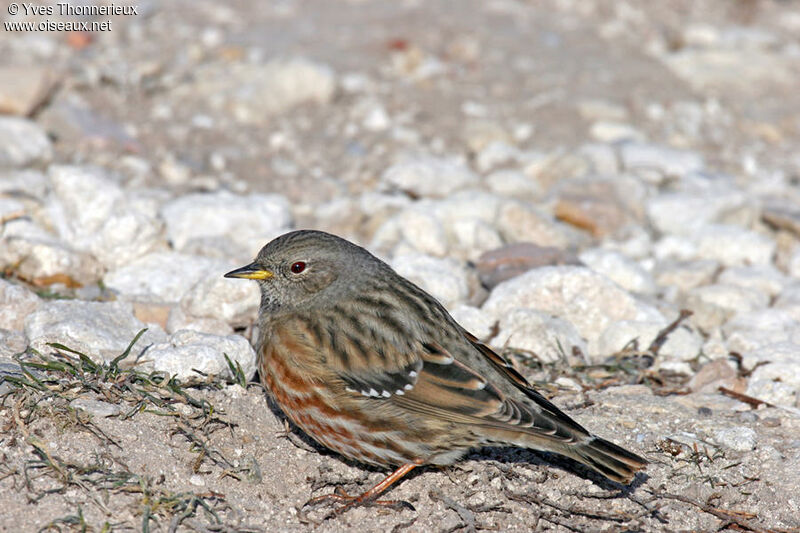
[512, 456]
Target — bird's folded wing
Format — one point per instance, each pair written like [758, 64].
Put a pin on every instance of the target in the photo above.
[507, 370]
[436, 384]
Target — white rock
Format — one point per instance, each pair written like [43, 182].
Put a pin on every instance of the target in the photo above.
[775, 363]
[586, 299]
[601, 110]
[734, 246]
[96, 407]
[521, 222]
[10, 209]
[248, 222]
[715, 347]
[477, 134]
[735, 71]
[749, 331]
[555, 166]
[732, 297]
[513, 184]
[632, 241]
[609, 131]
[429, 176]
[675, 248]
[472, 236]
[669, 161]
[715, 304]
[741, 439]
[32, 182]
[774, 392]
[34, 253]
[794, 263]
[101, 330]
[127, 234]
[377, 203]
[12, 342]
[423, 231]
[762, 278]
[95, 215]
[673, 366]
[86, 196]
[789, 300]
[626, 273]
[547, 337]
[495, 154]
[253, 92]
[186, 350]
[467, 204]
[445, 279]
[16, 302]
[685, 275]
[23, 143]
[682, 344]
[178, 320]
[784, 355]
[603, 158]
[568, 384]
[473, 320]
[356, 82]
[460, 225]
[233, 301]
[163, 276]
[387, 237]
[376, 119]
[684, 212]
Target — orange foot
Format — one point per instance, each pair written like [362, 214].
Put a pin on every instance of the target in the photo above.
[349, 502]
[369, 497]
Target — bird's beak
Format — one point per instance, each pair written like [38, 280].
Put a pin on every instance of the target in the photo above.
[251, 271]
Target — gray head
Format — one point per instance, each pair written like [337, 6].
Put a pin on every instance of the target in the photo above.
[305, 268]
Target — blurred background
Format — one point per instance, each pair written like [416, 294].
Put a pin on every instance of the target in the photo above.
[315, 99]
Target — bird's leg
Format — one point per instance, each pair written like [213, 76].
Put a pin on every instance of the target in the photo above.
[370, 496]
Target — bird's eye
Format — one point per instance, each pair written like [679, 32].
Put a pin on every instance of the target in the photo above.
[298, 267]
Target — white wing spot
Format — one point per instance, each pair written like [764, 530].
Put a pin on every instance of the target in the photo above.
[348, 389]
[408, 386]
[386, 394]
[373, 393]
[412, 374]
[399, 392]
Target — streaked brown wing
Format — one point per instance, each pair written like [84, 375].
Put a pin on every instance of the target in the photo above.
[505, 368]
[442, 387]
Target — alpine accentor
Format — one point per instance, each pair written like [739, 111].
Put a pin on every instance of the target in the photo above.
[374, 368]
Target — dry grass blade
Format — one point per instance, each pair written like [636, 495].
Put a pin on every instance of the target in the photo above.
[45, 388]
[533, 497]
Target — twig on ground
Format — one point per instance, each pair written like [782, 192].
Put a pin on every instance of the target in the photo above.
[740, 519]
[465, 514]
[664, 334]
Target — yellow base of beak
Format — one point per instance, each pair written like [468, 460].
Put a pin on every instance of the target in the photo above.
[251, 271]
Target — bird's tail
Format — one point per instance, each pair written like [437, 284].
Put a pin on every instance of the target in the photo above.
[610, 460]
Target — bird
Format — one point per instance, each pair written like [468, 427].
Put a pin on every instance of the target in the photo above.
[371, 366]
